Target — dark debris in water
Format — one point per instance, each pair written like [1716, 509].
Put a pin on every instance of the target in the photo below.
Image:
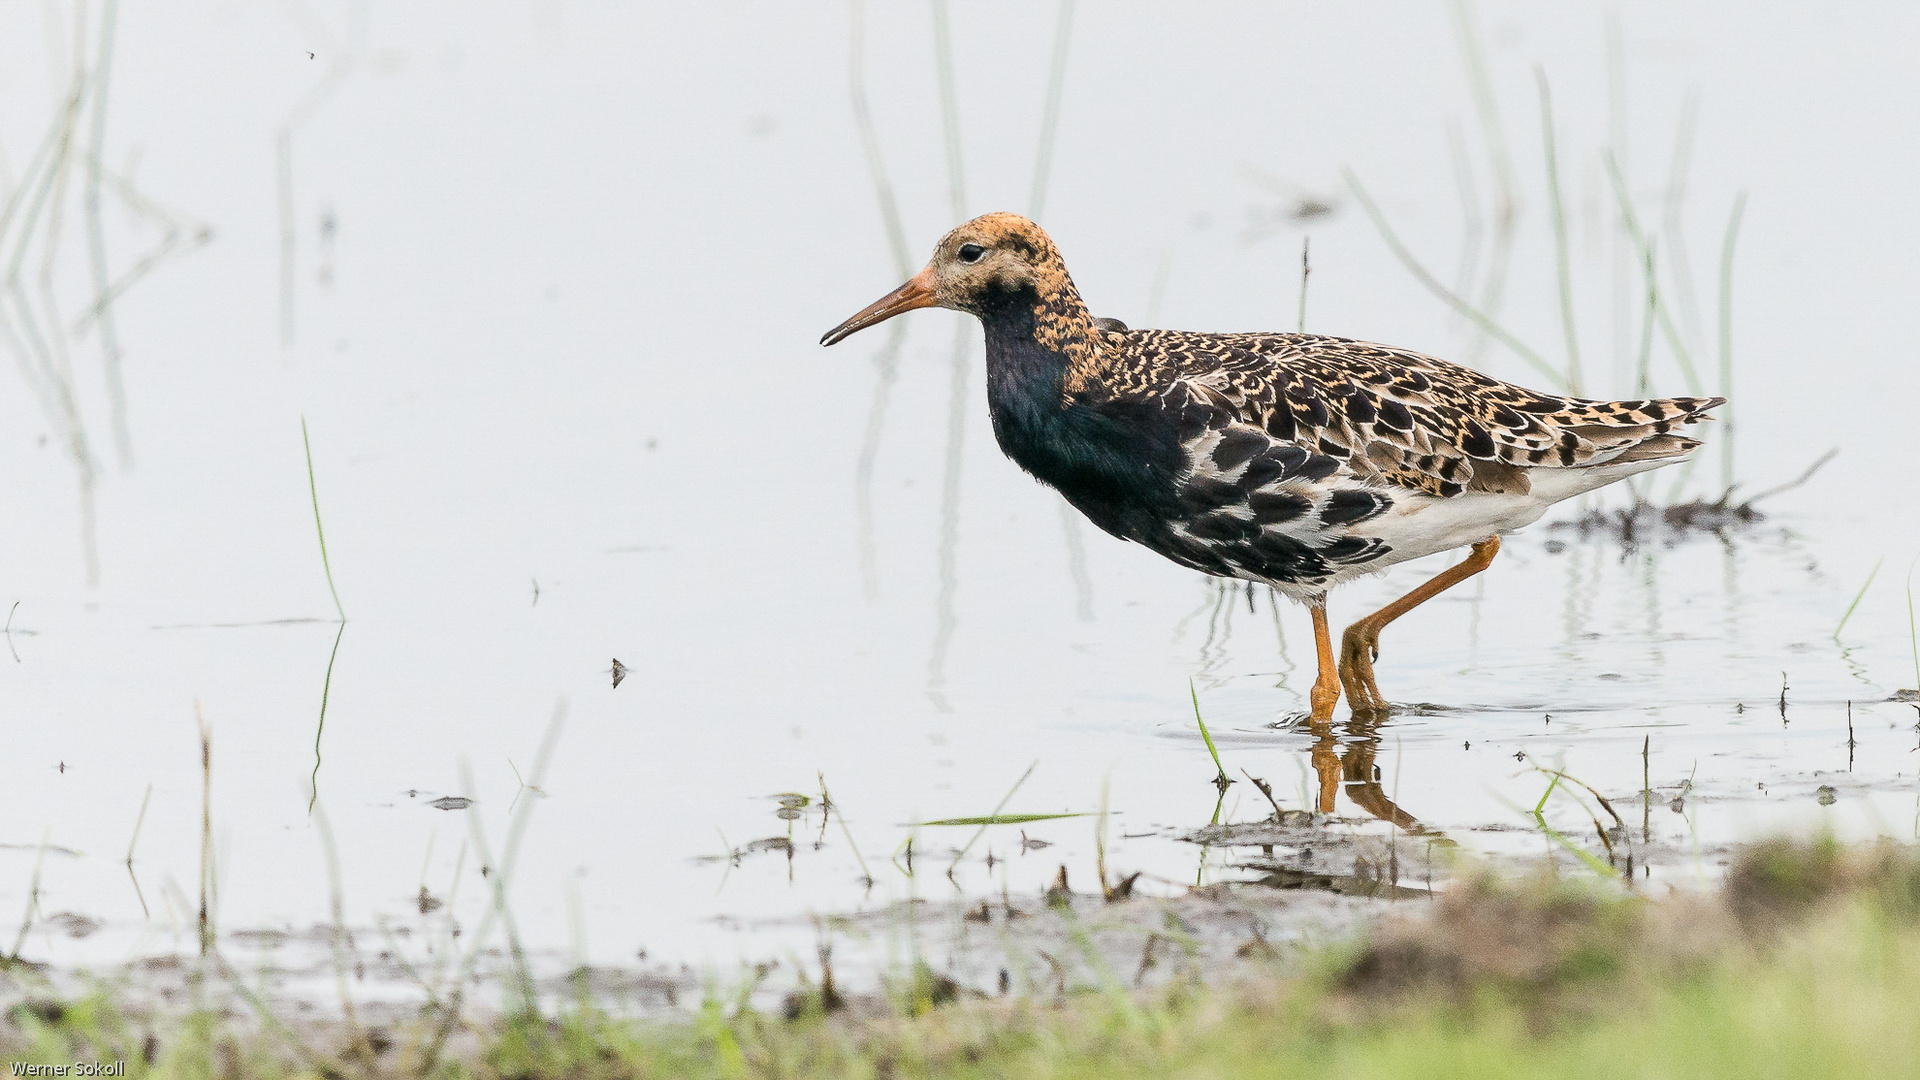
[1643, 522]
[1301, 851]
[74, 924]
[1646, 523]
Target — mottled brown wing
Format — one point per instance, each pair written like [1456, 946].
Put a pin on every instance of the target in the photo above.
[1405, 419]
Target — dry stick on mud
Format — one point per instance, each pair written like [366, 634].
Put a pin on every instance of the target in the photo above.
[1538, 814]
[1100, 840]
[1267, 790]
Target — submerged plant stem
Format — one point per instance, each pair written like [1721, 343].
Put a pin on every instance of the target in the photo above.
[1644, 245]
[1050, 117]
[1448, 296]
[949, 108]
[1726, 337]
[1306, 271]
[1562, 257]
[1913, 627]
[870, 141]
[97, 241]
[326, 688]
[206, 831]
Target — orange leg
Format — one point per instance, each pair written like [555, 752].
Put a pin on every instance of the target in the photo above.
[1325, 694]
[1326, 685]
[1360, 645]
[1326, 764]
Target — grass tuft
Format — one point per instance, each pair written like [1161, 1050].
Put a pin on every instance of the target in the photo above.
[1806, 965]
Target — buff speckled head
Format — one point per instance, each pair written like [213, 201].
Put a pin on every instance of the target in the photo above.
[989, 262]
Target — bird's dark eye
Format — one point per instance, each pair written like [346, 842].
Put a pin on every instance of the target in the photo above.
[970, 253]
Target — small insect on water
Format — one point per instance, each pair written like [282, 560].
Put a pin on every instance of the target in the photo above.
[618, 671]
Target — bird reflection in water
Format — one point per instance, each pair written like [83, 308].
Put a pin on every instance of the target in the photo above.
[1354, 769]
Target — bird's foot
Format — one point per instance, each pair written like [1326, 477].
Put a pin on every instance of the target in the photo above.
[1324, 696]
[1359, 647]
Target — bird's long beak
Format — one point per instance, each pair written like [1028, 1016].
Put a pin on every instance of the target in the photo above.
[916, 293]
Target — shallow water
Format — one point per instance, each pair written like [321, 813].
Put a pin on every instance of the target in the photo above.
[560, 274]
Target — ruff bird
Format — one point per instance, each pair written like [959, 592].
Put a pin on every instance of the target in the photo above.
[1294, 460]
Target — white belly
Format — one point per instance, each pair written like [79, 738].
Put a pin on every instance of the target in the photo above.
[1422, 525]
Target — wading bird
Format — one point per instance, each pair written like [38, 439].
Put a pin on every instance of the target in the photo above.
[1294, 460]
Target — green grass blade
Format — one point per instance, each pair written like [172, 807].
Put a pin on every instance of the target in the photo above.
[1726, 338]
[1913, 627]
[1643, 380]
[320, 729]
[1050, 115]
[949, 109]
[1859, 596]
[1593, 862]
[1207, 736]
[1448, 296]
[870, 142]
[313, 490]
[996, 814]
[1562, 257]
[1547, 794]
[996, 819]
[1644, 245]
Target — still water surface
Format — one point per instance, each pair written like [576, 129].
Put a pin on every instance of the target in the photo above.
[558, 274]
